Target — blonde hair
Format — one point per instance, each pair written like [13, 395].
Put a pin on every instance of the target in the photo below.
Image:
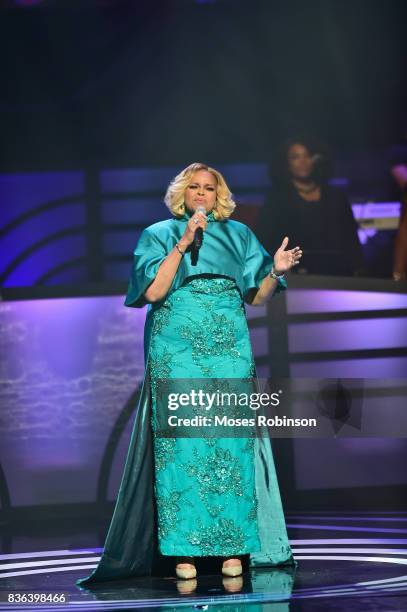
[174, 197]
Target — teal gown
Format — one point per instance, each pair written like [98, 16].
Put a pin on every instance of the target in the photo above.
[195, 496]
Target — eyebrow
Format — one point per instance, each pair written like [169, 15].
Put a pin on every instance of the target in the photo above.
[205, 185]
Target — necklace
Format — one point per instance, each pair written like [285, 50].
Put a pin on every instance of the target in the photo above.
[309, 189]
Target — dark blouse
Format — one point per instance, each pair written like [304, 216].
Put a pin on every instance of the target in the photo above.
[325, 230]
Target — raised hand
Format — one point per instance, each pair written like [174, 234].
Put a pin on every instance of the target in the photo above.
[285, 260]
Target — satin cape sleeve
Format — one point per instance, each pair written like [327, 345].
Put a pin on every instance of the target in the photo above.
[147, 258]
[257, 265]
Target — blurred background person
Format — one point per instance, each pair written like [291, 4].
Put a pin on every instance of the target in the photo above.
[318, 214]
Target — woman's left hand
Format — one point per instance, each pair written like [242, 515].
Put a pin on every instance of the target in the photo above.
[285, 260]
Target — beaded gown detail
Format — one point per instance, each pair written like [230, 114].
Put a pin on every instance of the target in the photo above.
[204, 487]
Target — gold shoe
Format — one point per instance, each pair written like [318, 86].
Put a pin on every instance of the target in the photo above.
[232, 570]
[185, 570]
[185, 573]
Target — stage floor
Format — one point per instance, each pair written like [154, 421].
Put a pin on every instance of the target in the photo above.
[346, 561]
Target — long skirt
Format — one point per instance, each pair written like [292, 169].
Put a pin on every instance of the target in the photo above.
[198, 497]
[205, 488]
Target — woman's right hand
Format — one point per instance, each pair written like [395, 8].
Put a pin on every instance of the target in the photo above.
[198, 219]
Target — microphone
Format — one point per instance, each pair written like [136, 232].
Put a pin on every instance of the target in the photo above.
[198, 238]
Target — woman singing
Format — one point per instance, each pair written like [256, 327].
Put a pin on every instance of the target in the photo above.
[184, 498]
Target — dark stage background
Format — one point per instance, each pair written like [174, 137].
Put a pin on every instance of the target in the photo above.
[167, 82]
